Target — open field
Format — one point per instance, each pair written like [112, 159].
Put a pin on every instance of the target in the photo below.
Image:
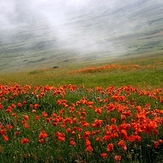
[145, 71]
[81, 81]
[106, 112]
[91, 34]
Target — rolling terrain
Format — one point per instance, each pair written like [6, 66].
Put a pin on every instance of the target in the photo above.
[81, 81]
[98, 32]
[100, 113]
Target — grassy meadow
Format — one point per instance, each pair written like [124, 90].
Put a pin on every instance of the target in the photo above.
[143, 71]
[106, 112]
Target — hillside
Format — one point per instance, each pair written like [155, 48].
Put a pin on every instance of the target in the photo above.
[41, 37]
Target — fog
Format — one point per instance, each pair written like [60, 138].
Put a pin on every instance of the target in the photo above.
[82, 26]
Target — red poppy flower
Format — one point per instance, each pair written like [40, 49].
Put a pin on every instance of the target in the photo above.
[156, 144]
[117, 158]
[25, 140]
[5, 138]
[43, 135]
[110, 147]
[20, 104]
[104, 155]
[72, 143]
[89, 149]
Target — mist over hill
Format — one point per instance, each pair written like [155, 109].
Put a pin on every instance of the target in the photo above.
[45, 33]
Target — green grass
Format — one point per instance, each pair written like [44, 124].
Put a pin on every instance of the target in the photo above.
[130, 91]
[149, 74]
[138, 31]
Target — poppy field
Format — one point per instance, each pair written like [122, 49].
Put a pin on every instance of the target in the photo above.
[83, 123]
[77, 124]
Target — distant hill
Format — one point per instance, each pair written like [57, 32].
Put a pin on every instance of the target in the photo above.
[50, 35]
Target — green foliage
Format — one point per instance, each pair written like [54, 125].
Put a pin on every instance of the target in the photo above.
[50, 99]
[149, 74]
[34, 72]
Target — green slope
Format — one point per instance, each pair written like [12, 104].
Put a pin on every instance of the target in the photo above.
[99, 33]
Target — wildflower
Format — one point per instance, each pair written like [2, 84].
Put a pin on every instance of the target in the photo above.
[98, 110]
[48, 120]
[89, 149]
[31, 106]
[95, 132]
[68, 130]
[13, 114]
[84, 113]
[87, 134]
[36, 106]
[3, 131]
[20, 104]
[97, 123]
[33, 111]
[9, 126]
[106, 137]
[37, 117]
[98, 139]
[87, 143]
[41, 141]
[43, 135]
[160, 141]
[44, 114]
[72, 143]
[24, 102]
[25, 141]
[25, 125]
[113, 120]
[17, 133]
[123, 117]
[117, 158]
[104, 155]
[9, 109]
[73, 132]
[1, 106]
[75, 120]
[79, 136]
[5, 138]
[156, 144]
[60, 136]
[134, 138]
[122, 144]
[86, 124]
[123, 134]
[26, 117]
[110, 147]
[61, 111]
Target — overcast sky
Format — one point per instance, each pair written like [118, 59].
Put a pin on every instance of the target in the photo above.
[67, 20]
[75, 23]
[33, 12]
[23, 12]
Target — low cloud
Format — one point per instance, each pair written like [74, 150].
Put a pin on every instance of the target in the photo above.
[82, 26]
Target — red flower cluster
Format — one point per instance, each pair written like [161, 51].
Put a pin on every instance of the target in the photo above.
[102, 121]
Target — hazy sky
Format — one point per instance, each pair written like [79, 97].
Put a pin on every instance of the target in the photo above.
[75, 24]
[14, 13]
[71, 22]
[23, 12]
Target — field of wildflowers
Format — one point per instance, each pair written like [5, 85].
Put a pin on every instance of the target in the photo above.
[117, 67]
[145, 72]
[110, 113]
[71, 123]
